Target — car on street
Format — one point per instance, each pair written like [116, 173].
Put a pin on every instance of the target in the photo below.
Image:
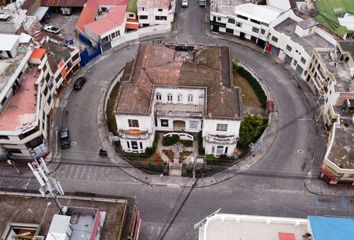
[64, 136]
[184, 3]
[79, 83]
[51, 29]
[103, 152]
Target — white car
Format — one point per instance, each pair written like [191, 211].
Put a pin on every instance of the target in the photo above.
[52, 29]
[184, 3]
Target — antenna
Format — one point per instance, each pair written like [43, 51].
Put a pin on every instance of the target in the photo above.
[49, 186]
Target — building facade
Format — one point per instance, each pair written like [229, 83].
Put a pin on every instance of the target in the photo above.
[27, 97]
[154, 12]
[177, 89]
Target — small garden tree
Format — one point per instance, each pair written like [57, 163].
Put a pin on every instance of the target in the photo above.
[251, 129]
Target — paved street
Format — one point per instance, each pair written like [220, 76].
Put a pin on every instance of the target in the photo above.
[292, 152]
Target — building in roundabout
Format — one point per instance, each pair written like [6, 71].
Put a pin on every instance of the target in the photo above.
[180, 89]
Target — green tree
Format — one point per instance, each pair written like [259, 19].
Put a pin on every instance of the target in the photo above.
[251, 129]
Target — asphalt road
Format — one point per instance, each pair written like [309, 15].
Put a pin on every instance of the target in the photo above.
[256, 194]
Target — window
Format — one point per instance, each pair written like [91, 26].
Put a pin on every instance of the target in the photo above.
[190, 98]
[164, 122]
[238, 24]
[242, 17]
[47, 77]
[141, 145]
[76, 56]
[161, 18]
[133, 123]
[231, 20]
[128, 144]
[295, 62]
[131, 15]
[303, 60]
[57, 79]
[254, 29]
[160, 9]
[219, 150]
[10, 151]
[4, 137]
[143, 17]
[3, 101]
[44, 67]
[212, 149]
[158, 96]
[193, 124]
[262, 31]
[134, 145]
[288, 48]
[45, 91]
[274, 39]
[255, 21]
[221, 127]
[219, 18]
[169, 97]
[179, 97]
[229, 30]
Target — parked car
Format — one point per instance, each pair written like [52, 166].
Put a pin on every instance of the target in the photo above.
[184, 3]
[79, 83]
[65, 141]
[103, 152]
[52, 29]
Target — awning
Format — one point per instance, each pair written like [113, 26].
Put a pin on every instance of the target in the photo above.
[41, 11]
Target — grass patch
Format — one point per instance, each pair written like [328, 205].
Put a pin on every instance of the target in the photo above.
[249, 97]
[329, 11]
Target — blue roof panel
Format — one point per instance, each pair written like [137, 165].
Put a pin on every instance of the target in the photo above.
[328, 228]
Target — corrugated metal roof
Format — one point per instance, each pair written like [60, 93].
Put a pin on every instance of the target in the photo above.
[63, 3]
[325, 228]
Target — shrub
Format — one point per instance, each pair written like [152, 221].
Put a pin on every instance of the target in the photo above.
[254, 84]
[210, 158]
[251, 129]
[111, 103]
[170, 140]
[187, 143]
[201, 150]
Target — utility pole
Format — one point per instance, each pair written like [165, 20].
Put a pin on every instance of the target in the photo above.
[49, 186]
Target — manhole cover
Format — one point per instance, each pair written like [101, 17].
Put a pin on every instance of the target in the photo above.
[300, 151]
[73, 144]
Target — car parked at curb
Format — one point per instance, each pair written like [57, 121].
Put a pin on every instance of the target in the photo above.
[79, 83]
[51, 29]
[184, 3]
[64, 135]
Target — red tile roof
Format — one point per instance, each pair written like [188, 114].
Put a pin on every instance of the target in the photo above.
[88, 15]
[38, 53]
[114, 18]
[63, 3]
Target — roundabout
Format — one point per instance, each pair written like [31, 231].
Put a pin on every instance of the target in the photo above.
[170, 206]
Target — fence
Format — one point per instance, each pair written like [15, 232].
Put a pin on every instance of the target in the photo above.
[88, 54]
[182, 136]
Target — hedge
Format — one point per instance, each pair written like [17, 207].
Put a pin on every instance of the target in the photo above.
[254, 84]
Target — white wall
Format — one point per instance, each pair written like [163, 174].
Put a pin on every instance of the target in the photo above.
[145, 122]
[198, 95]
[152, 12]
[209, 127]
[188, 127]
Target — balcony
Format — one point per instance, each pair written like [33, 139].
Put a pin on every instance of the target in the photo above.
[179, 110]
[218, 139]
[134, 134]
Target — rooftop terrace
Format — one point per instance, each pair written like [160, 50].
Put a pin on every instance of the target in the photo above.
[225, 6]
[231, 227]
[308, 42]
[56, 53]
[339, 69]
[9, 65]
[40, 211]
[21, 109]
[342, 151]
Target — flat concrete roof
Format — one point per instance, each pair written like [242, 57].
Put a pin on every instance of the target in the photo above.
[342, 151]
[225, 6]
[40, 211]
[308, 42]
[232, 227]
[8, 41]
[56, 53]
[340, 70]
[262, 13]
[9, 65]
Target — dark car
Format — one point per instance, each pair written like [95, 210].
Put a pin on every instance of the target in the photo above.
[64, 135]
[79, 83]
[103, 152]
